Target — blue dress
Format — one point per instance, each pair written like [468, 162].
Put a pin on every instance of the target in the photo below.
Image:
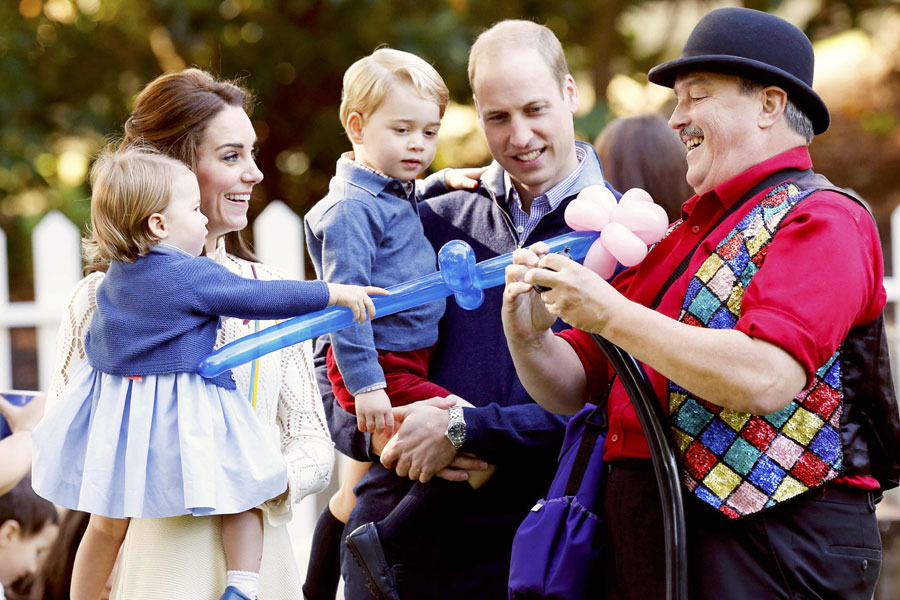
[158, 443]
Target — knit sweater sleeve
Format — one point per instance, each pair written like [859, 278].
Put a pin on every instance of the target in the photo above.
[75, 320]
[218, 291]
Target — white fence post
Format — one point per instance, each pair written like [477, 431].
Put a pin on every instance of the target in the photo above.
[5, 349]
[278, 239]
[56, 244]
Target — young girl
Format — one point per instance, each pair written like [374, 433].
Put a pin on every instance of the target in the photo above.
[137, 433]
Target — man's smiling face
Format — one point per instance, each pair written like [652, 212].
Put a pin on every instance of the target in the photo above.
[715, 120]
[527, 118]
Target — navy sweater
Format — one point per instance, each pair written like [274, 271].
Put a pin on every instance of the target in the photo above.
[463, 551]
[160, 313]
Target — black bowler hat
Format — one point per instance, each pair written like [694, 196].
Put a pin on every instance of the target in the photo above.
[755, 45]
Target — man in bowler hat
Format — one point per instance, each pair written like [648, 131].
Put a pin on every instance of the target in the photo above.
[758, 322]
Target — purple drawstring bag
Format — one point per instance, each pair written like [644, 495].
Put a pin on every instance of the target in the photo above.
[556, 552]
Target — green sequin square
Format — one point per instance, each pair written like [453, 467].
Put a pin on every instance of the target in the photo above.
[742, 456]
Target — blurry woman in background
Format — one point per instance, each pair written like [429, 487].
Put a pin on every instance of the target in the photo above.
[643, 152]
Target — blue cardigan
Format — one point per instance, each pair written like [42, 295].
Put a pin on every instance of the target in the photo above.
[160, 313]
[463, 550]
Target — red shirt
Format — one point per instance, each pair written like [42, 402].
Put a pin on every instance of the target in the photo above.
[823, 275]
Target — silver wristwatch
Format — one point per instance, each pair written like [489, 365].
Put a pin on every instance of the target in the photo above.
[456, 428]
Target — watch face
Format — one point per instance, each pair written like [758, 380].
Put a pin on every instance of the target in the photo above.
[457, 433]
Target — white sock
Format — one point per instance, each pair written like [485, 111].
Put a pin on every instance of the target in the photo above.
[246, 582]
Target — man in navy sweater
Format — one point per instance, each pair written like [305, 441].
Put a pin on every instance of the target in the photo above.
[525, 99]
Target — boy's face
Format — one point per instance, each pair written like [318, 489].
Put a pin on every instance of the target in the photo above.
[185, 224]
[21, 555]
[400, 137]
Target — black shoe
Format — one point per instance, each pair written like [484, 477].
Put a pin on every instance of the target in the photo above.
[366, 548]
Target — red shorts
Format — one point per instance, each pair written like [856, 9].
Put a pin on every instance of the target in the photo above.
[406, 374]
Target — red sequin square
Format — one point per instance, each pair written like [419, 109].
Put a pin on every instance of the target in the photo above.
[758, 432]
[772, 201]
[822, 400]
[698, 460]
[730, 248]
[760, 256]
[810, 470]
[729, 512]
[691, 320]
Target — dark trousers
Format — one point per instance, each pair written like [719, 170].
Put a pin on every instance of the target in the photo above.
[823, 545]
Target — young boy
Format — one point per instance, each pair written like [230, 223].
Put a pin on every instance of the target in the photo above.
[28, 526]
[367, 229]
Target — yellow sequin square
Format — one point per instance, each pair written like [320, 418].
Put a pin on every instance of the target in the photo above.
[721, 480]
[789, 488]
[682, 441]
[803, 426]
[675, 402]
[733, 418]
[757, 241]
[734, 300]
[709, 267]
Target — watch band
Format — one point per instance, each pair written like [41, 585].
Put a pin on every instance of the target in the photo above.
[456, 427]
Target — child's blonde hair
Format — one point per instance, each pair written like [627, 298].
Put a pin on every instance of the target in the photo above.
[127, 187]
[368, 80]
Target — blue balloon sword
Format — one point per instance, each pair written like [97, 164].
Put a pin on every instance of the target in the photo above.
[459, 276]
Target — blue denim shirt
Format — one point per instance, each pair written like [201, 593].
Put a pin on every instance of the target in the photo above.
[367, 231]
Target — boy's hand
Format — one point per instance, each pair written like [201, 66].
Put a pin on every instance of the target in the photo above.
[463, 179]
[373, 412]
[356, 298]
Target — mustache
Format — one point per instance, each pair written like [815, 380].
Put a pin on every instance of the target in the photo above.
[691, 130]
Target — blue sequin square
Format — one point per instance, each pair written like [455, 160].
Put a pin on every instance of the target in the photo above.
[723, 319]
[693, 287]
[739, 260]
[742, 456]
[717, 437]
[707, 496]
[833, 376]
[777, 419]
[766, 475]
[704, 305]
[827, 444]
[749, 271]
[748, 220]
[692, 417]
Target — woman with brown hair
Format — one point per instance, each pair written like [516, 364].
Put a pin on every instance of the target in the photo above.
[191, 116]
[643, 152]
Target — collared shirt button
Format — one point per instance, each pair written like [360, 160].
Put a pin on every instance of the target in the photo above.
[614, 437]
[520, 228]
[695, 229]
[232, 377]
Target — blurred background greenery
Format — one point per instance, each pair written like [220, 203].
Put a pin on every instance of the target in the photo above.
[69, 70]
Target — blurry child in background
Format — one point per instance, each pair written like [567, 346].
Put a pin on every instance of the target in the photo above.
[28, 527]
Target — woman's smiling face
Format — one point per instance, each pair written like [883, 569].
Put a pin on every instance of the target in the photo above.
[227, 171]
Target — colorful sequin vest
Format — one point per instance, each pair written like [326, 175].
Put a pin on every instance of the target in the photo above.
[741, 463]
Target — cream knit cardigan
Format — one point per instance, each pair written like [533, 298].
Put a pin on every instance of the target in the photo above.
[182, 557]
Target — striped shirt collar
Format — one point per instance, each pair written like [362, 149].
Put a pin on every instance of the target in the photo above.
[543, 204]
[408, 186]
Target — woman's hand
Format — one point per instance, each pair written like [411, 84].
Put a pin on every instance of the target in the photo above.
[25, 417]
[356, 298]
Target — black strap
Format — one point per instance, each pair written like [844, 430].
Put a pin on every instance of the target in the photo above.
[773, 180]
[592, 432]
